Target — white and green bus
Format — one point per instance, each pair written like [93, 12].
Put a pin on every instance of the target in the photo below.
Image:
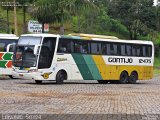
[6, 53]
[45, 57]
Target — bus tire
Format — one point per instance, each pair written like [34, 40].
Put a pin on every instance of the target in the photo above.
[10, 76]
[38, 81]
[60, 77]
[123, 78]
[133, 78]
[102, 81]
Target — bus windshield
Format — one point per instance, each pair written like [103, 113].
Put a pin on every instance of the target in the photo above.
[25, 57]
[29, 40]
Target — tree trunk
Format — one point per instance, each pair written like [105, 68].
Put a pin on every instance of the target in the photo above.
[24, 20]
[62, 30]
[8, 28]
[15, 18]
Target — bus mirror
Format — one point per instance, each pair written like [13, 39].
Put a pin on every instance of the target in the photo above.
[11, 47]
[36, 49]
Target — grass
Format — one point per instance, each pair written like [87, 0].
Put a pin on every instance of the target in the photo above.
[157, 65]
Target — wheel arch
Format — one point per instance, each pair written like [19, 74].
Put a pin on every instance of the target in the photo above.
[64, 71]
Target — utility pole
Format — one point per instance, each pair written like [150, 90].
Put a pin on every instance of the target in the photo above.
[15, 18]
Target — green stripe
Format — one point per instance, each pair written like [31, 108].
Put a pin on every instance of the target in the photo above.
[83, 68]
[2, 64]
[8, 56]
[92, 67]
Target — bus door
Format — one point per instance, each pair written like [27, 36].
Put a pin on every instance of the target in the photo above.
[46, 54]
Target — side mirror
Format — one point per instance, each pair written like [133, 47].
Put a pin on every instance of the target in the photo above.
[36, 49]
[11, 47]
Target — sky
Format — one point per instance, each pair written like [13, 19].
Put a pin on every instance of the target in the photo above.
[155, 2]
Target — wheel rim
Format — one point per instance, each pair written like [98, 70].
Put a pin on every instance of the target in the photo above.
[133, 78]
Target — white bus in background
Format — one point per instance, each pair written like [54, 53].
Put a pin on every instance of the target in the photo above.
[6, 53]
[44, 57]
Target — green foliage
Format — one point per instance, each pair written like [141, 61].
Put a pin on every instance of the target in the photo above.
[136, 15]
[137, 19]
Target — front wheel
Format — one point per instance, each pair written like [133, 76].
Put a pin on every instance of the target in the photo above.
[60, 77]
[11, 76]
[38, 81]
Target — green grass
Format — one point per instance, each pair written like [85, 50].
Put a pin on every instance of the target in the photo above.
[156, 71]
[157, 62]
[157, 65]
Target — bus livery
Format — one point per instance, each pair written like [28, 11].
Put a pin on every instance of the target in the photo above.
[83, 57]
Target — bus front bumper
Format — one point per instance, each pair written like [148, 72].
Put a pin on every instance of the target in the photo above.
[32, 75]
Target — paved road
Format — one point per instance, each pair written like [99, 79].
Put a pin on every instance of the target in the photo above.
[81, 97]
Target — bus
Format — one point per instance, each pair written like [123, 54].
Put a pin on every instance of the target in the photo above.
[45, 57]
[6, 53]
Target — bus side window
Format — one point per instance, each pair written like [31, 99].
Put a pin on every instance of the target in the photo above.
[96, 48]
[104, 49]
[2, 47]
[123, 50]
[77, 47]
[85, 48]
[64, 46]
[148, 51]
[128, 50]
[112, 49]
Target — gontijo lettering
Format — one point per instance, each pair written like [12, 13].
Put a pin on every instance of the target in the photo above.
[120, 60]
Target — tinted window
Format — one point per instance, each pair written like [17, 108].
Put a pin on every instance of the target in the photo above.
[96, 48]
[65, 46]
[104, 48]
[4, 43]
[111, 49]
[81, 47]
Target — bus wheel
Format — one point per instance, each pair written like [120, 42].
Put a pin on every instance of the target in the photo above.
[123, 78]
[102, 81]
[60, 77]
[11, 77]
[133, 78]
[38, 81]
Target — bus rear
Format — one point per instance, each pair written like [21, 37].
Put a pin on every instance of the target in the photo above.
[6, 53]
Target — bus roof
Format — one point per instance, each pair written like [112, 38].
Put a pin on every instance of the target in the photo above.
[7, 35]
[125, 41]
[41, 35]
[94, 38]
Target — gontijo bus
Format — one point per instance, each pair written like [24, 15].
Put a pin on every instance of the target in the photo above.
[6, 53]
[44, 57]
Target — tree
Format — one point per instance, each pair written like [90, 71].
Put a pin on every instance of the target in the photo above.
[51, 11]
[134, 12]
[24, 4]
[7, 8]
